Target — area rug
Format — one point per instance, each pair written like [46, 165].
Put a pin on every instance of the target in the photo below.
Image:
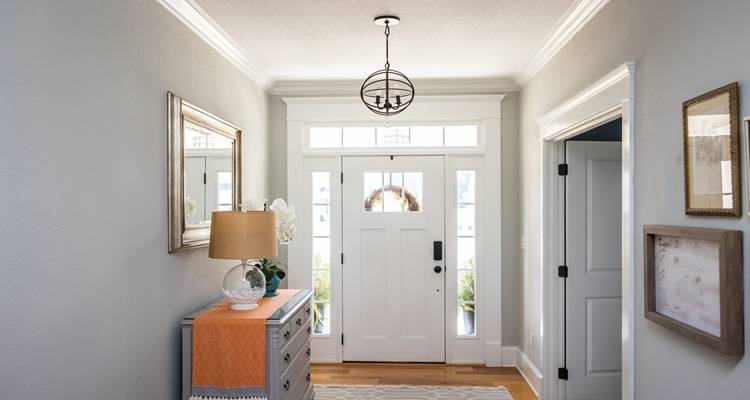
[405, 392]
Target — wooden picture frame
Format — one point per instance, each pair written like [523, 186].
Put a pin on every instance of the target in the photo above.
[710, 124]
[746, 147]
[684, 266]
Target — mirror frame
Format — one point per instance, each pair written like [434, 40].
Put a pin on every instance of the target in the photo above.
[180, 237]
[732, 89]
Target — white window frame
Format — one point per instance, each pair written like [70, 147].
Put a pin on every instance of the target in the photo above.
[481, 110]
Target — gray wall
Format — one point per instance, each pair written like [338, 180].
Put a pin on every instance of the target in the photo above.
[682, 49]
[91, 301]
[511, 274]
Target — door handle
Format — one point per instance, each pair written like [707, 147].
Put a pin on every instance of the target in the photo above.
[438, 269]
[437, 250]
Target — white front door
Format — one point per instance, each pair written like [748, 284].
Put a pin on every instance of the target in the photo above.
[594, 284]
[393, 290]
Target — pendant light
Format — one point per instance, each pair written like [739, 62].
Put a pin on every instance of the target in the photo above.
[387, 91]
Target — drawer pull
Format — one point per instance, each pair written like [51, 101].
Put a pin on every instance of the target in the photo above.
[286, 335]
[286, 385]
[309, 330]
[298, 322]
[307, 311]
[288, 357]
[308, 352]
[307, 378]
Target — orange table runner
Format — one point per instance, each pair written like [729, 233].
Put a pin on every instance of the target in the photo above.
[229, 347]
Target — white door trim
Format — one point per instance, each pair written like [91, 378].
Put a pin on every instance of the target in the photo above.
[485, 110]
[608, 98]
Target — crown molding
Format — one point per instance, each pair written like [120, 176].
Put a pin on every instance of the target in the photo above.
[195, 18]
[422, 86]
[574, 19]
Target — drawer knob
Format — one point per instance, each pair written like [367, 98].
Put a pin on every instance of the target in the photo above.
[298, 321]
[309, 330]
[288, 357]
[286, 385]
[307, 311]
[286, 335]
[308, 352]
[307, 377]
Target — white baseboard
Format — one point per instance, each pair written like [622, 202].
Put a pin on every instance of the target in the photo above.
[515, 357]
[493, 354]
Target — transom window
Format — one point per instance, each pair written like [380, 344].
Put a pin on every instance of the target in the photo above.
[394, 136]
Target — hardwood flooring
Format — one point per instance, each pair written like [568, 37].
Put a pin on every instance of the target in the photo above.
[422, 374]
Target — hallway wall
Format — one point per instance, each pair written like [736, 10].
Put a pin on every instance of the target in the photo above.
[91, 301]
[682, 48]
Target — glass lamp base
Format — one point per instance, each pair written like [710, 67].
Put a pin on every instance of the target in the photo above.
[244, 285]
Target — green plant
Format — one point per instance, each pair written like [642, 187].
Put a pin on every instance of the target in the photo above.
[321, 291]
[270, 267]
[466, 288]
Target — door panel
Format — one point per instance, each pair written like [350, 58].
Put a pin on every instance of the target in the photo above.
[393, 300]
[593, 244]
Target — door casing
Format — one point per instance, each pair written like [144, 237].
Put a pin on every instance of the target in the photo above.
[607, 99]
[484, 110]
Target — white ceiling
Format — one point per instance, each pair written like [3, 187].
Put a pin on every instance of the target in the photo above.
[291, 40]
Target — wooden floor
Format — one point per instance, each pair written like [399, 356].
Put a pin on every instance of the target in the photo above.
[422, 374]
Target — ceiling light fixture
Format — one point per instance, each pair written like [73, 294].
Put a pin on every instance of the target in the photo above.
[387, 91]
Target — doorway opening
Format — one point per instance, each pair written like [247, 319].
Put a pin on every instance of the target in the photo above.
[592, 269]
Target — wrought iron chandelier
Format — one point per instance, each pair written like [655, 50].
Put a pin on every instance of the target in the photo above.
[387, 91]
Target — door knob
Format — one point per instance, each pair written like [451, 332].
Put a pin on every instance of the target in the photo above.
[438, 269]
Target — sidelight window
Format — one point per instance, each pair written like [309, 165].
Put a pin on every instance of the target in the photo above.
[466, 252]
[321, 252]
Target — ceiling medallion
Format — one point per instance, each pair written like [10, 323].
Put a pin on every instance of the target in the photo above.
[387, 91]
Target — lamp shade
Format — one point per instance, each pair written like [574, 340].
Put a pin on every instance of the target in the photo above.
[238, 235]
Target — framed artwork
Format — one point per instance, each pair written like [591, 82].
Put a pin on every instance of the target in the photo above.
[710, 124]
[693, 284]
[746, 146]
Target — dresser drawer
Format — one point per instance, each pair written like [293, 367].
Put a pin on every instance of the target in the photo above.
[298, 345]
[301, 318]
[298, 361]
[285, 335]
[296, 388]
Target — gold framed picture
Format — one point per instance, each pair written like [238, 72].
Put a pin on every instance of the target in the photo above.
[711, 149]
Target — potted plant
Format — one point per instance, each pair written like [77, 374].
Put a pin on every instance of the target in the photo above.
[274, 274]
[322, 287]
[466, 286]
[285, 229]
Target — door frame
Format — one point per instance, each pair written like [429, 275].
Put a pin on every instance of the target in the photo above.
[607, 99]
[483, 110]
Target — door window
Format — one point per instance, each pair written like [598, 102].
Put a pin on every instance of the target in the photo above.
[392, 191]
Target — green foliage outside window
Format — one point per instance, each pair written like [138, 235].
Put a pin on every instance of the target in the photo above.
[466, 288]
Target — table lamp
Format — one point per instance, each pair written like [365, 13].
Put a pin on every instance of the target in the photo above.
[244, 236]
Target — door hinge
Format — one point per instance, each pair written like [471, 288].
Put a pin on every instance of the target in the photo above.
[204, 178]
[342, 177]
[562, 373]
[342, 258]
[562, 271]
[342, 339]
[562, 169]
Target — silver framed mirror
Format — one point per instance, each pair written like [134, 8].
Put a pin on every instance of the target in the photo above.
[204, 172]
